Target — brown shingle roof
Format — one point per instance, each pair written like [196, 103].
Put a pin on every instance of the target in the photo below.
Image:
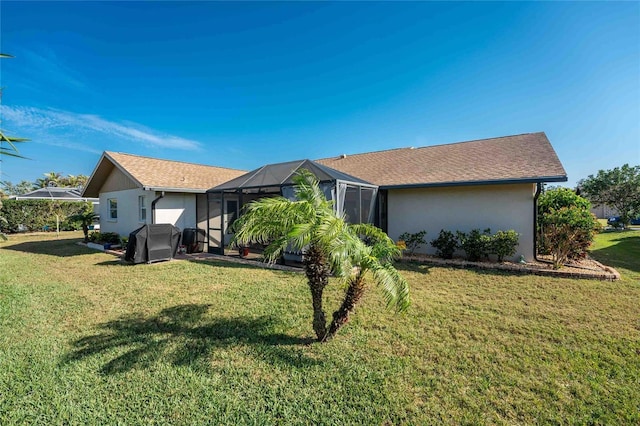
[526, 157]
[160, 174]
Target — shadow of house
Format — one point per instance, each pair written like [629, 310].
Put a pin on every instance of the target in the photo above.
[61, 248]
[180, 336]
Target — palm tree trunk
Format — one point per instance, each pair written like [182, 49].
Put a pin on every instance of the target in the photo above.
[85, 231]
[317, 272]
[351, 298]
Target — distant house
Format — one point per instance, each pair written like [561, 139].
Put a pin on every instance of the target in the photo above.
[136, 190]
[56, 193]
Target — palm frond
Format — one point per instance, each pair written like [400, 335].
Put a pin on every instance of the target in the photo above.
[395, 288]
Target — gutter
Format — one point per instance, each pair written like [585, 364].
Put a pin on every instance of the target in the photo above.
[153, 207]
[535, 221]
[536, 180]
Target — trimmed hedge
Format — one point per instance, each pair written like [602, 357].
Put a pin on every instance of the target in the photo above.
[38, 215]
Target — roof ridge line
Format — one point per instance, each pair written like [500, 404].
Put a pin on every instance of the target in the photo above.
[173, 161]
[428, 146]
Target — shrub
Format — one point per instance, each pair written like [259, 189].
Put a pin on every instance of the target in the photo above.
[476, 244]
[104, 237]
[504, 243]
[566, 230]
[576, 224]
[413, 241]
[446, 244]
[35, 215]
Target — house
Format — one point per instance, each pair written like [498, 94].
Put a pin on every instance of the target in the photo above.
[136, 190]
[489, 183]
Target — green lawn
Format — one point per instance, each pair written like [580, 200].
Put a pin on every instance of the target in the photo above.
[86, 340]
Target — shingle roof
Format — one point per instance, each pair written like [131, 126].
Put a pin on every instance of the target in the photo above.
[160, 174]
[527, 158]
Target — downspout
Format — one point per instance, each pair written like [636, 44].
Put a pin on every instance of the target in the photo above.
[153, 207]
[535, 220]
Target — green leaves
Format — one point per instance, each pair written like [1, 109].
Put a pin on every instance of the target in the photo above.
[619, 188]
[351, 251]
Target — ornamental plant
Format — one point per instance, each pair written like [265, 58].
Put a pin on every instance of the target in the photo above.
[446, 244]
[413, 241]
[577, 224]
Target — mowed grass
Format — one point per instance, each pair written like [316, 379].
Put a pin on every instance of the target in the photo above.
[86, 340]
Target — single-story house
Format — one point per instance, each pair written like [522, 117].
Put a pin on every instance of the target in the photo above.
[136, 190]
[489, 183]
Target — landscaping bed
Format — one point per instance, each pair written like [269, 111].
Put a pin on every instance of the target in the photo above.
[587, 268]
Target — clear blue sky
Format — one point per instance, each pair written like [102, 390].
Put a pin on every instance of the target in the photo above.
[244, 84]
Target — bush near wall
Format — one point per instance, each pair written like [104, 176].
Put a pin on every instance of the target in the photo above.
[37, 215]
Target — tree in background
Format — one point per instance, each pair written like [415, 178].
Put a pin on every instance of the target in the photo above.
[566, 225]
[8, 148]
[59, 180]
[85, 218]
[619, 188]
[330, 245]
[18, 189]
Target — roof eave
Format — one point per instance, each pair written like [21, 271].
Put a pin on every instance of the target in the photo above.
[170, 189]
[478, 182]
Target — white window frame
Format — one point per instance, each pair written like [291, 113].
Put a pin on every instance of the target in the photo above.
[142, 209]
[112, 209]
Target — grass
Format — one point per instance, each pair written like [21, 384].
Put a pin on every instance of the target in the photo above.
[84, 339]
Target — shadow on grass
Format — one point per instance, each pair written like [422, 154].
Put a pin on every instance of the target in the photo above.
[63, 248]
[624, 254]
[179, 336]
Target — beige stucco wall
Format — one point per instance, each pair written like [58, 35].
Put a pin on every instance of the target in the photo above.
[127, 220]
[499, 207]
[178, 209]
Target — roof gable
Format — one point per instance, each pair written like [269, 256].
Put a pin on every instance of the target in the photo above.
[521, 158]
[157, 174]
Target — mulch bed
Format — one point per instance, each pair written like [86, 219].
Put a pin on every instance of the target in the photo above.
[586, 268]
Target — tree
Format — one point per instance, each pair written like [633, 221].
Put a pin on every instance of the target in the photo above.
[85, 218]
[18, 189]
[330, 246]
[50, 179]
[619, 188]
[7, 151]
[11, 150]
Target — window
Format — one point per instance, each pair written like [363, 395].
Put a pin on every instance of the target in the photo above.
[142, 209]
[113, 208]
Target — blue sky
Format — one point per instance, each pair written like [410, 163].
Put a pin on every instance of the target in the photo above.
[244, 84]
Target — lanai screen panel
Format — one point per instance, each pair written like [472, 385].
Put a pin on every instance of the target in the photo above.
[349, 194]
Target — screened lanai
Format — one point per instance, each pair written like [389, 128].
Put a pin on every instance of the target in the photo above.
[353, 196]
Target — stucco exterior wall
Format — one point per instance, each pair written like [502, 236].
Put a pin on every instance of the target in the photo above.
[499, 207]
[128, 218]
[178, 209]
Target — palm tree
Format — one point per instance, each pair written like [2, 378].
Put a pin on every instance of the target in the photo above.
[330, 245]
[86, 219]
[50, 179]
[11, 150]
